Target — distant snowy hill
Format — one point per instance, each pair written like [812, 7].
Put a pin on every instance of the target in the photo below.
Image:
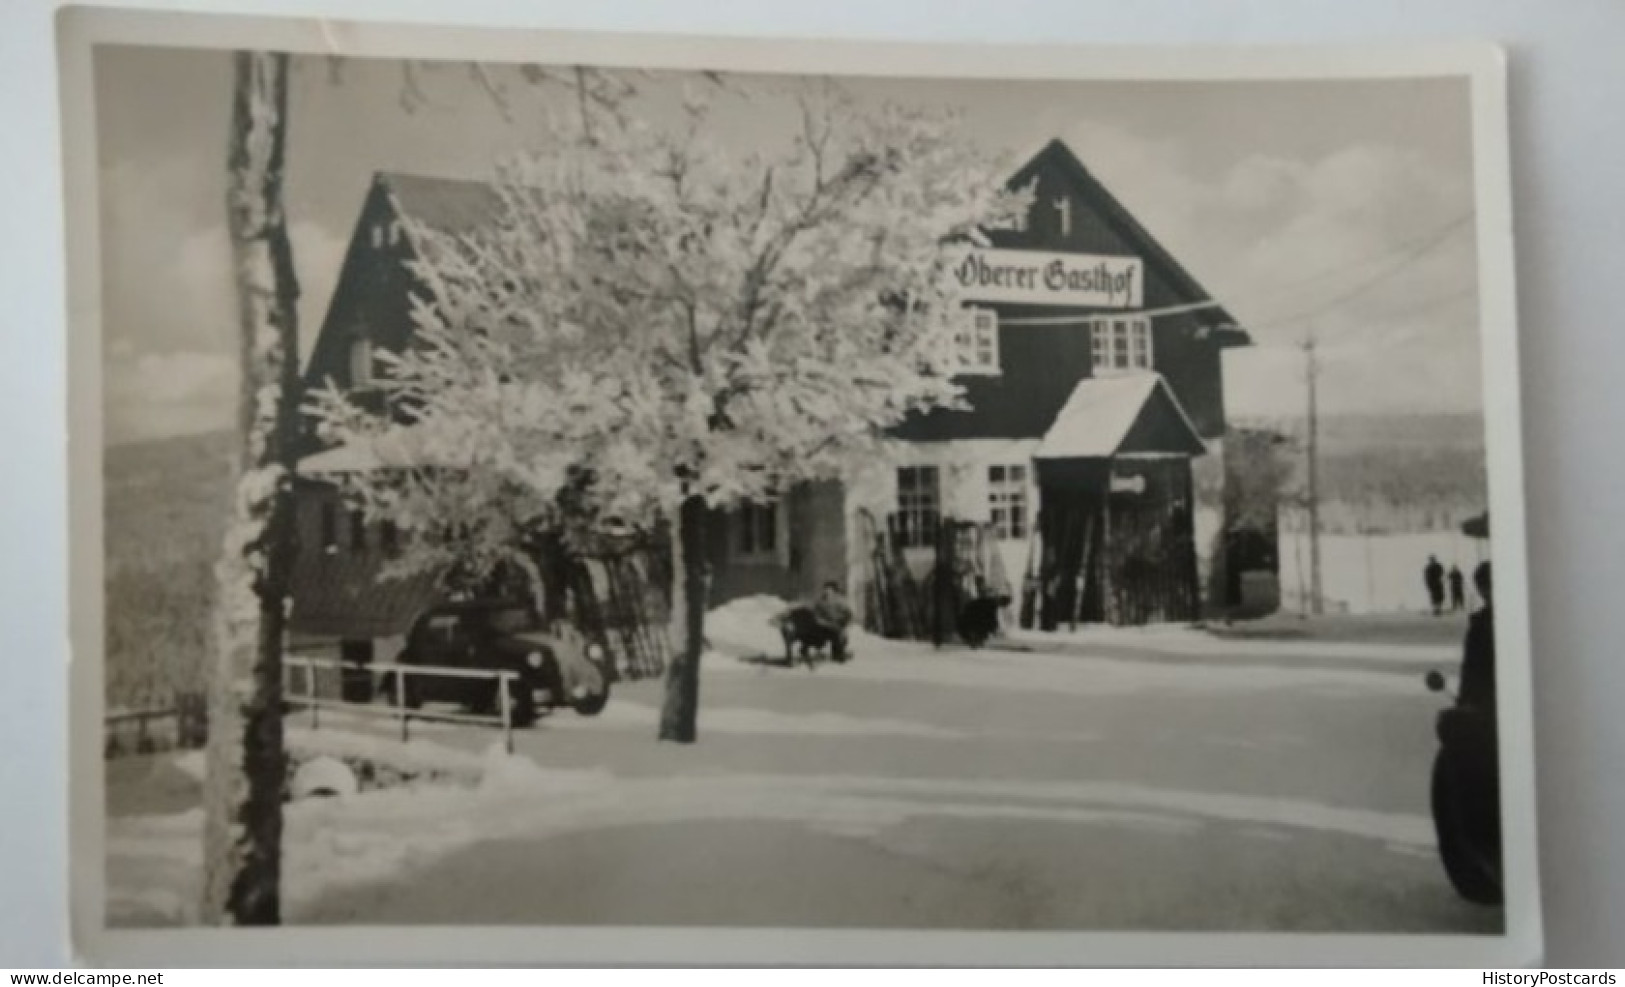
[1392, 472]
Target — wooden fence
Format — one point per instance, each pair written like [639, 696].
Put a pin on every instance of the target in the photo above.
[182, 724]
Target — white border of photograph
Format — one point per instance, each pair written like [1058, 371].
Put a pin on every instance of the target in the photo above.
[1483, 64]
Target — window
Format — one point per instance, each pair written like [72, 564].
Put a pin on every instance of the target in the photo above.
[756, 528]
[360, 363]
[358, 531]
[1007, 500]
[976, 342]
[1120, 344]
[918, 505]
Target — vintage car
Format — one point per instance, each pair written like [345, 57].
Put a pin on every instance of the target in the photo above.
[555, 666]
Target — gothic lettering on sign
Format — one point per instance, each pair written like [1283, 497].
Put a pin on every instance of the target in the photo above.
[1040, 278]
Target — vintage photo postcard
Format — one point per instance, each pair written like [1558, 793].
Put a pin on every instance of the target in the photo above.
[559, 498]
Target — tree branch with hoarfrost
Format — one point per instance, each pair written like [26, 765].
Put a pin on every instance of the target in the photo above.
[663, 325]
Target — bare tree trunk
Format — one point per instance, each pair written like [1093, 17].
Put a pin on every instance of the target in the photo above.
[246, 760]
[679, 714]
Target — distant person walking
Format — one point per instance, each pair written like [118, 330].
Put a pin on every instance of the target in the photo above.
[1433, 578]
[1458, 590]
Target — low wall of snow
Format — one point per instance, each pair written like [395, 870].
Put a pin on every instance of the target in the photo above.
[1377, 573]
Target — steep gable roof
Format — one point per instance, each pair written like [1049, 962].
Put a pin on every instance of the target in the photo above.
[1058, 155]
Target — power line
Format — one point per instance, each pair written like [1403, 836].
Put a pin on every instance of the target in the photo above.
[1413, 249]
[1365, 285]
[1443, 230]
[1468, 291]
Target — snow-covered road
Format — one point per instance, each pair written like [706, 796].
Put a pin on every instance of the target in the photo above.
[1295, 797]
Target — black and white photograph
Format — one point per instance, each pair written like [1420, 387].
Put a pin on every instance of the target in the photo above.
[549, 483]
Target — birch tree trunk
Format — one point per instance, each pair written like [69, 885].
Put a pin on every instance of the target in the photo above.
[679, 713]
[246, 761]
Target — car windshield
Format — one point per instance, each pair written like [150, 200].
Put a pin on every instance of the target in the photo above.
[509, 620]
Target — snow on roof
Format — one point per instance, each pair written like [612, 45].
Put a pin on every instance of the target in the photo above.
[400, 448]
[1097, 417]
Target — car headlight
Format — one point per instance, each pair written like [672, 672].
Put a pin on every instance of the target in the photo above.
[595, 652]
[534, 659]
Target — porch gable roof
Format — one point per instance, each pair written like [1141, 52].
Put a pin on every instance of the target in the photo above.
[1114, 416]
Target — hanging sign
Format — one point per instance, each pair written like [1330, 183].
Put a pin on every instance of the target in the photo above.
[1035, 277]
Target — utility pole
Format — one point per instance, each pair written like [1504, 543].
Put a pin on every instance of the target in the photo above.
[1312, 370]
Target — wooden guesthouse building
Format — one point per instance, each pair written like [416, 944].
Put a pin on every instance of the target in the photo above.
[1092, 365]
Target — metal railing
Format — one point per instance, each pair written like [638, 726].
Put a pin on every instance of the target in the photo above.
[398, 708]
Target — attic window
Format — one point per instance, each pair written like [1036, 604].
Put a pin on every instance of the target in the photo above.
[377, 236]
[361, 363]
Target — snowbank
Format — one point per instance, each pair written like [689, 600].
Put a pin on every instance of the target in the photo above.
[746, 628]
[515, 774]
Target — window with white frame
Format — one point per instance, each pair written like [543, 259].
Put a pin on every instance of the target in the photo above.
[919, 500]
[976, 341]
[756, 531]
[1120, 344]
[1007, 499]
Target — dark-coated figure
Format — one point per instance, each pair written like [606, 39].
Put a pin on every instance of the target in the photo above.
[1433, 579]
[816, 627]
[979, 619]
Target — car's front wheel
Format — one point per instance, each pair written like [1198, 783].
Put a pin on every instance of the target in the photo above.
[521, 707]
[593, 703]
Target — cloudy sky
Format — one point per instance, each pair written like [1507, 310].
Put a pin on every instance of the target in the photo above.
[1344, 208]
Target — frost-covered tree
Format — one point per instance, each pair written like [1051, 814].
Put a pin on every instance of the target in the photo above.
[660, 325]
[246, 760]
[246, 756]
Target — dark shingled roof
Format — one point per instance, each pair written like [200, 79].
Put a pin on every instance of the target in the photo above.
[449, 205]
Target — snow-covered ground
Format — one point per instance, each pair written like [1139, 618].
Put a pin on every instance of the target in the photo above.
[904, 736]
[386, 835]
[1180, 639]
